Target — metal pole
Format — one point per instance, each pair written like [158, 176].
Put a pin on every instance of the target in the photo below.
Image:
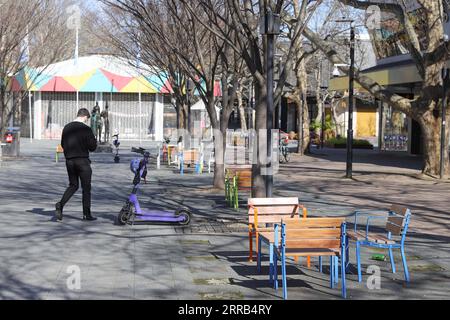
[350, 103]
[380, 126]
[270, 112]
[445, 77]
[322, 132]
[281, 98]
[302, 131]
[140, 118]
[31, 116]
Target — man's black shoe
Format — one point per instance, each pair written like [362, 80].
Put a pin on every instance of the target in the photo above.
[89, 218]
[59, 211]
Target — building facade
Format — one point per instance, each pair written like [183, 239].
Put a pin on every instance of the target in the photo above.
[396, 70]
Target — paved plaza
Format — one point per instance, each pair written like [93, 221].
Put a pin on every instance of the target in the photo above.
[207, 260]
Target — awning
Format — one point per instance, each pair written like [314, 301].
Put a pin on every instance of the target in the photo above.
[384, 75]
[96, 73]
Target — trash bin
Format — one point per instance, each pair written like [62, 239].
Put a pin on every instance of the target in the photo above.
[10, 143]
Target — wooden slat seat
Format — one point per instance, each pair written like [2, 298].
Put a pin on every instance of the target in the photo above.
[361, 236]
[190, 156]
[267, 236]
[269, 211]
[319, 252]
[311, 237]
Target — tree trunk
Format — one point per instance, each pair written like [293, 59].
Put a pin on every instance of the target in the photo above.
[220, 145]
[260, 151]
[302, 108]
[241, 111]
[219, 165]
[3, 113]
[319, 101]
[431, 130]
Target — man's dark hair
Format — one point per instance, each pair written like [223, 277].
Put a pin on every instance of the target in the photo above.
[83, 113]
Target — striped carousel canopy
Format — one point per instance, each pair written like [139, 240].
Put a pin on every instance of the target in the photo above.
[97, 73]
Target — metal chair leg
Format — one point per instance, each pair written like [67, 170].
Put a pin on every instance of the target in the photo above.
[332, 272]
[250, 239]
[358, 260]
[347, 254]
[343, 272]
[320, 265]
[259, 255]
[405, 265]
[275, 270]
[283, 267]
[391, 258]
[271, 266]
[336, 270]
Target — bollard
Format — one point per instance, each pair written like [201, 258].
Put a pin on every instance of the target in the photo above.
[181, 160]
[158, 159]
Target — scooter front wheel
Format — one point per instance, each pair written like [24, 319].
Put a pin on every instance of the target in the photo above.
[124, 217]
[186, 215]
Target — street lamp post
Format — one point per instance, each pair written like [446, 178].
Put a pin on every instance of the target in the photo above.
[270, 28]
[351, 89]
[302, 127]
[445, 78]
[280, 61]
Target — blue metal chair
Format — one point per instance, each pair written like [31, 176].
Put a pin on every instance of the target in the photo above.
[397, 224]
[311, 237]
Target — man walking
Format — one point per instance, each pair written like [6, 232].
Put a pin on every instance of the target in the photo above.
[77, 141]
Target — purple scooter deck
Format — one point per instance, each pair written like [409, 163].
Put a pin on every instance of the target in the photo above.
[153, 215]
[154, 218]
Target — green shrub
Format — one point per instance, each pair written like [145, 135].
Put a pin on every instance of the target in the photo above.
[342, 141]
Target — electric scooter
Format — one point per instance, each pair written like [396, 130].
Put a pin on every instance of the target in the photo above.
[132, 213]
[116, 144]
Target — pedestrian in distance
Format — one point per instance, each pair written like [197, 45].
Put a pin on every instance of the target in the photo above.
[77, 141]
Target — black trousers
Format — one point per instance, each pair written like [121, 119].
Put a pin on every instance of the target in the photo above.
[79, 170]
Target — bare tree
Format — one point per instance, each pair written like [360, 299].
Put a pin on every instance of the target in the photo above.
[32, 36]
[170, 39]
[243, 17]
[429, 56]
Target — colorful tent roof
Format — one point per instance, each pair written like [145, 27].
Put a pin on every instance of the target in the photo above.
[97, 73]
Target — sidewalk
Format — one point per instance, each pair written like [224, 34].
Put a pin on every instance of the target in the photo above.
[209, 259]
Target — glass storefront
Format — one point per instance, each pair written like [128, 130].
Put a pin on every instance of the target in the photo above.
[396, 130]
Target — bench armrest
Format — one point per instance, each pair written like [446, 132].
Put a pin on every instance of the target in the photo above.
[369, 219]
[368, 212]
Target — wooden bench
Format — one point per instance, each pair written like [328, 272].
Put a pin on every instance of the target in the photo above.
[320, 237]
[263, 212]
[239, 179]
[59, 150]
[189, 158]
